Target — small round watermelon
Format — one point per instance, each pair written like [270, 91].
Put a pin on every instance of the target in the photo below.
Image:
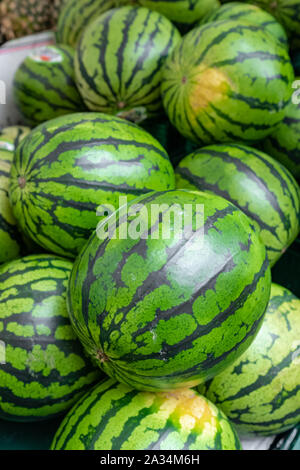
[11, 241]
[114, 416]
[260, 392]
[119, 61]
[67, 167]
[249, 13]
[75, 15]
[169, 290]
[227, 81]
[284, 143]
[44, 85]
[43, 369]
[253, 181]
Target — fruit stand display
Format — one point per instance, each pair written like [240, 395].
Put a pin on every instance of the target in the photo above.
[149, 225]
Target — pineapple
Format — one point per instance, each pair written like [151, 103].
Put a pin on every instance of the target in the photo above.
[23, 17]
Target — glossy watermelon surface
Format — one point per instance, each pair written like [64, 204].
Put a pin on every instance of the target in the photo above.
[119, 61]
[260, 392]
[252, 180]
[249, 13]
[116, 417]
[11, 241]
[159, 310]
[284, 143]
[227, 81]
[70, 166]
[287, 12]
[75, 15]
[43, 369]
[44, 84]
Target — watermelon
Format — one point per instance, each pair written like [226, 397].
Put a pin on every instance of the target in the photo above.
[253, 181]
[160, 305]
[75, 15]
[69, 166]
[44, 370]
[227, 81]
[119, 60]
[260, 392]
[44, 85]
[11, 242]
[284, 143]
[182, 12]
[287, 12]
[114, 416]
[250, 13]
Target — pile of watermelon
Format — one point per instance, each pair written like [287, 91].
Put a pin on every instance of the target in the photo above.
[144, 204]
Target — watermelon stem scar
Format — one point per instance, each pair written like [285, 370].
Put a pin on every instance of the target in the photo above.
[101, 356]
[22, 182]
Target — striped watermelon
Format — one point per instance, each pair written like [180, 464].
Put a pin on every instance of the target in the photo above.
[158, 310]
[256, 183]
[119, 61]
[68, 166]
[43, 370]
[260, 392]
[44, 85]
[11, 242]
[287, 12]
[182, 12]
[75, 15]
[284, 143]
[252, 14]
[116, 417]
[227, 81]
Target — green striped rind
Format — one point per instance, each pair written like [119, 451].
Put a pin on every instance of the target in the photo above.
[242, 12]
[227, 81]
[287, 12]
[115, 417]
[11, 242]
[44, 85]
[66, 168]
[284, 143]
[260, 392]
[45, 370]
[166, 311]
[119, 61]
[179, 11]
[75, 15]
[253, 181]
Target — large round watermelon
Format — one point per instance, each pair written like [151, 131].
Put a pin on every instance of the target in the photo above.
[119, 61]
[75, 15]
[11, 241]
[44, 84]
[43, 368]
[260, 392]
[253, 181]
[114, 416]
[242, 12]
[170, 289]
[227, 81]
[284, 143]
[67, 167]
